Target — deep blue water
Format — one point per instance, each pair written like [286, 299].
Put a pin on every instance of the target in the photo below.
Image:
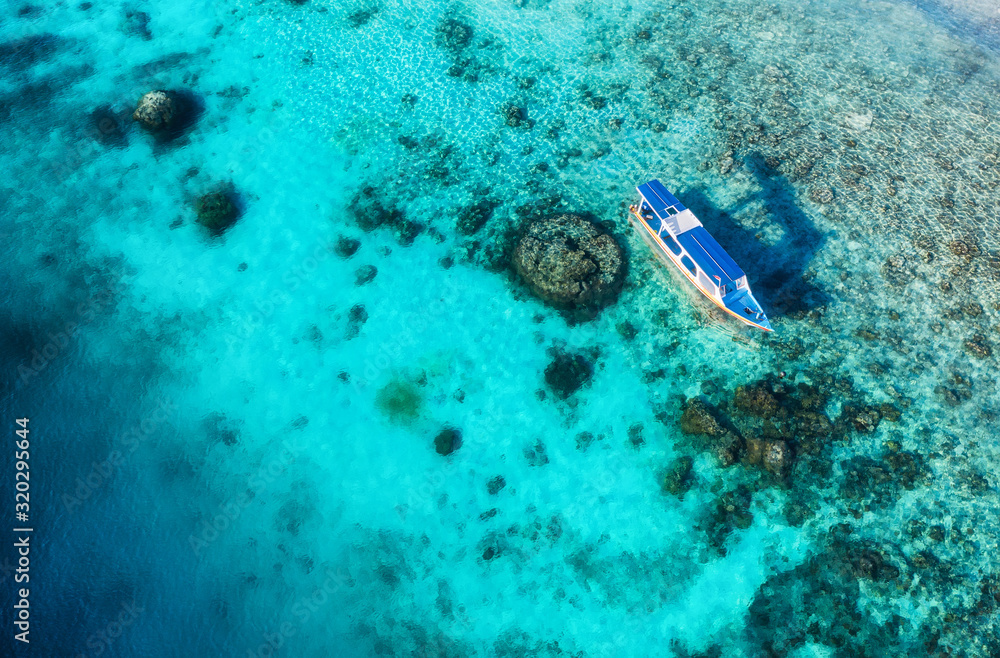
[233, 436]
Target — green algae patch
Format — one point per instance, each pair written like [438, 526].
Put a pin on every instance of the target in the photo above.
[400, 401]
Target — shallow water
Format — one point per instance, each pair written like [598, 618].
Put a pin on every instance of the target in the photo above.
[231, 458]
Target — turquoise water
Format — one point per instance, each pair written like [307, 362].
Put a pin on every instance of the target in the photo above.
[230, 457]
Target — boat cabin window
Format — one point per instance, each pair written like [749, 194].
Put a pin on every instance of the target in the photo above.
[688, 264]
[672, 244]
[706, 283]
[742, 282]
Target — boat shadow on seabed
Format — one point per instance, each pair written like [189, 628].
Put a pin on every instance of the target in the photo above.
[777, 272]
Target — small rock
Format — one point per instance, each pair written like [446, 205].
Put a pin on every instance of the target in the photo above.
[157, 111]
[448, 441]
[495, 485]
[972, 309]
[862, 419]
[963, 248]
[346, 247]
[364, 274]
[136, 23]
[356, 318]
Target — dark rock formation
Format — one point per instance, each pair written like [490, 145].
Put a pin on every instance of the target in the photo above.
[570, 262]
[699, 419]
[346, 247]
[860, 418]
[567, 372]
[217, 211]
[371, 211]
[136, 24]
[356, 319]
[516, 116]
[878, 482]
[495, 484]
[448, 441]
[474, 217]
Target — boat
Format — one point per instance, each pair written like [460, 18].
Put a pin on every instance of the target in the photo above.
[674, 232]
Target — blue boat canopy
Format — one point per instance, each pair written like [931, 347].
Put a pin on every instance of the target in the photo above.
[660, 199]
[709, 254]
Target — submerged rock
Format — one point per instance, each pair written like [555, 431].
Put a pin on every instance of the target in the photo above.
[756, 400]
[157, 111]
[364, 274]
[861, 418]
[495, 485]
[821, 195]
[516, 116]
[216, 211]
[570, 262]
[567, 373]
[773, 455]
[702, 420]
[474, 217]
[346, 247]
[679, 477]
[731, 511]
[699, 419]
[356, 319]
[821, 601]
[400, 401]
[373, 210]
[777, 457]
[448, 441]
[136, 23]
[877, 482]
[977, 346]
